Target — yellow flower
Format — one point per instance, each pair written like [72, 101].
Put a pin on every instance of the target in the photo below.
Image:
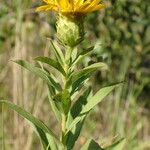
[71, 6]
[70, 20]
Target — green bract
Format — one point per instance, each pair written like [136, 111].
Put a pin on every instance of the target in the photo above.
[70, 30]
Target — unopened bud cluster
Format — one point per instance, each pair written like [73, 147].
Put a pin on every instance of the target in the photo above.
[70, 30]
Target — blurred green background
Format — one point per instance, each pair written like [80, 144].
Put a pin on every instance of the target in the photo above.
[121, 35]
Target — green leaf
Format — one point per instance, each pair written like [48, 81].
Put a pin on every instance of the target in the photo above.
[40, 128]
[80, 103]
[63, 101]
[94, 100]
[77, 78]
[66, 101]
[98, 97]
[119, 145]
[73, 134]
[83, 54]
[58, 53]
[87, 70]
[52, 63]
[74, 55]
[77, 85]
[54, 107]
[40, 72]
[91, 145]
[51, 143]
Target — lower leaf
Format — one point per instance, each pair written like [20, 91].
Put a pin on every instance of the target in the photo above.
[40, 128]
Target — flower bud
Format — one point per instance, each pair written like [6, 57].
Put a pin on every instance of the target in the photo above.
[70, 29]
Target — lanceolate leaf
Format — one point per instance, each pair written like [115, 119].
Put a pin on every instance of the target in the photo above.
[54, 107]
[39, 72]
[63, 101]
[97, 98]
[75, 110]
[52, 63]
[42, 137]
[73, 135]
[83, 54]
[91, 145]
[79, 77]
[87, 70]
[58, 53]
[52, 143]
[41, 129]
[78, 84]
[78, 106]
[80, 103]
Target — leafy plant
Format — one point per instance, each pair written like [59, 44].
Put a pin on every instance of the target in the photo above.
[70, 99]
[70, 114]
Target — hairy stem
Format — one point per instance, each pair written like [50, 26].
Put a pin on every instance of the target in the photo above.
[64, 116]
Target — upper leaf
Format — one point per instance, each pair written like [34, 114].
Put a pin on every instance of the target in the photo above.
[98, 97]
[94, 100]
[58, 53]
[41, 73]
[54, 107]
[83, 54]
[77, 78]
[87, 70]
[52, 63]
[80, 103]
[74, 133]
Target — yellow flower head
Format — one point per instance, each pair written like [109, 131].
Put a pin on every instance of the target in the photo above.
[71, 6]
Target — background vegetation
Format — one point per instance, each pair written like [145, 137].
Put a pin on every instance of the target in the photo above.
[120, 34]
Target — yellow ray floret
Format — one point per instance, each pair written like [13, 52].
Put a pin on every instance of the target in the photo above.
[71, 6]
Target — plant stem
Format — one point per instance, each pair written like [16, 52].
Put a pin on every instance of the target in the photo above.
[63, 125]
[64, 116]
[63, 128]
